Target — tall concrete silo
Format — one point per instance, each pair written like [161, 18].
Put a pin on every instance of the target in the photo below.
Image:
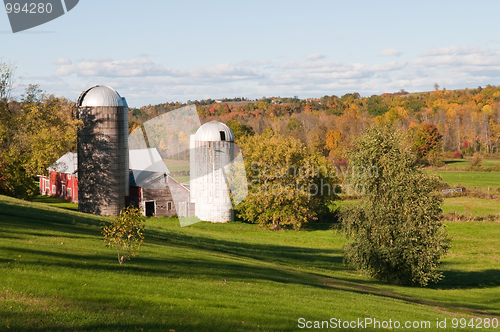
[212, 148]
[103, 164]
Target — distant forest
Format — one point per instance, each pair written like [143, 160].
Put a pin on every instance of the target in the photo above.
[468, 120]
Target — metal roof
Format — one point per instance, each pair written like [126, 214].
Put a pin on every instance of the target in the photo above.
[101, 95]
[67, 164]
[147, 160]
[211, 132]
[146, 168]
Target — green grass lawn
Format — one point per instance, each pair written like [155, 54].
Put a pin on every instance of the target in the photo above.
[464, 163]
[472, 206]
[179, 169]
[55, 202]
[56, 275]
[471, 179]
[463, 205]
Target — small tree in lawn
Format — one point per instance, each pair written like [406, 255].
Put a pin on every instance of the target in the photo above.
[125, 233]
[394, 233]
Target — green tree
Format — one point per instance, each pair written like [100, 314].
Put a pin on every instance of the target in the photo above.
[125, 233]
[33, 135]
[239, 130]
[288, 185]
[395, 232]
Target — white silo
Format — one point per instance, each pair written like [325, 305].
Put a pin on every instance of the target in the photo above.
[103, 159]
[212, 148]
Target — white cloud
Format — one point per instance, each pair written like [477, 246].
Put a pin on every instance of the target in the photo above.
[390, 52]
[454, 50]
[316, 56]
[143, 81]
[63, 61]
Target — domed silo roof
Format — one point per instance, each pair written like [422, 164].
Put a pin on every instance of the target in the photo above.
[101, 95]
[214, 131]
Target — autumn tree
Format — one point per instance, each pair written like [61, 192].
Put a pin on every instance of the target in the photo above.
[33, 135]
[426, 139]
[395, 232]
[335, 143]
[288, 185]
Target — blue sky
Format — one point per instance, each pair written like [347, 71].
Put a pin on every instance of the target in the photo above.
[162, 51]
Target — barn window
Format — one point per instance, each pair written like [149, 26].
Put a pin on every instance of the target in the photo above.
[69, 192]
[53, 188]
[69, 177]
[222, 135]
[169, 206]
[47, 183]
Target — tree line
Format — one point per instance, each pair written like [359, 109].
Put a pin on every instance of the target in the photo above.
[467, 120]
[35, 131]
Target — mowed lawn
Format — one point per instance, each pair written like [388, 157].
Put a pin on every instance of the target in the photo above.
[471, 180]
[56, 275]
[462, 205]
[464, 163]
[471, 206]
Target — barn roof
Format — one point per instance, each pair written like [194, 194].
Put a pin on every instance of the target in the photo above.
[67, 164]
[146, 165]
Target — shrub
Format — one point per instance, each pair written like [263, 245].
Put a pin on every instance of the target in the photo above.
[289, 185]
[457, 155]
[125, 233]
[477, 160]
[395, 233]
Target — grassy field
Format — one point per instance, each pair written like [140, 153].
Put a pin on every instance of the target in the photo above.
[471, 179]
[55, 202]
[179, 169]
[463, 205]
[471, 206]
[464, 163]
[56, 275]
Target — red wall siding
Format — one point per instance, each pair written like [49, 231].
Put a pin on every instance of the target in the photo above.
[60, 179]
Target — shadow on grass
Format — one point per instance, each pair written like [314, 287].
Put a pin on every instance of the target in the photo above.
[319, 258]
[205, 267]
[451, 162]
[56, 202]
[27, 217]
[22, 220]
[455, 279]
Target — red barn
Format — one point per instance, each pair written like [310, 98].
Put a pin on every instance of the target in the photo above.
[63, 179]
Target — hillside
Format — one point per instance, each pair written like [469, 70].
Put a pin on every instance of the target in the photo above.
[56, 275]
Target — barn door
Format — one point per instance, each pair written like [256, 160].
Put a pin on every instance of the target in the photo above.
[150, 208]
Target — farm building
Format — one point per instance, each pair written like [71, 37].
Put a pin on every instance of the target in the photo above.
[62, 180]
[151, 185]
[212, 148]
